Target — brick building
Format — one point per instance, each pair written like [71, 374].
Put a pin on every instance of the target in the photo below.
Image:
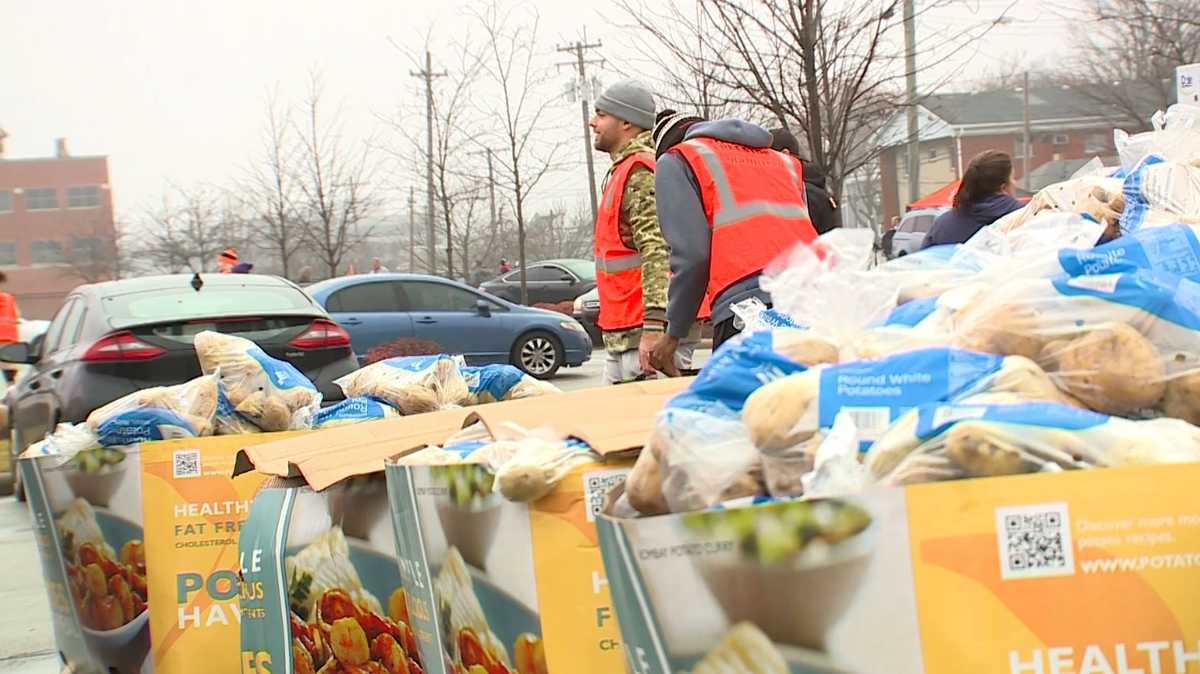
[1066, 128]
[56, 227]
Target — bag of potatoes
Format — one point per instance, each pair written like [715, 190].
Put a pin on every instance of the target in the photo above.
[1115, 342]
[159, 413]
[493, 383]
[354, 411]
[991, 436]
[789, 418]
[270, 393]
[411, 384]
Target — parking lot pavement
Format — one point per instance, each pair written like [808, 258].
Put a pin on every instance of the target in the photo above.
[26, 638]
[591, 373]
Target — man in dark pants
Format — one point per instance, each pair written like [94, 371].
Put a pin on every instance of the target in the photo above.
[728, 205]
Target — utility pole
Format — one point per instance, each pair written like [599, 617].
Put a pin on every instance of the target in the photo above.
[412, 229]
[1026, 145]
[910, 81]
[427, 74]
[580, 64]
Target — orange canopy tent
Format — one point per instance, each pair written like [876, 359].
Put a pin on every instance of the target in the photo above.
[944, 196]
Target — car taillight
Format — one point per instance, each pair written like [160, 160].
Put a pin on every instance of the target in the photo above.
[122, 346]
[322, 334]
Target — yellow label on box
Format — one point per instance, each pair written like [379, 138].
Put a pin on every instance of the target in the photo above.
[193, 511]
[579, 625]
[1091, 572]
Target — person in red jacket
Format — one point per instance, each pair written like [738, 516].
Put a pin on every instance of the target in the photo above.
[728, 205]
[9, 316]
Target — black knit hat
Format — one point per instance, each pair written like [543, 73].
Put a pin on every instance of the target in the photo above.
[669, 129]
[782, 139]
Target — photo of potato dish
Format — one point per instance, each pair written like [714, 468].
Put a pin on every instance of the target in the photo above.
[109, 589]
[343, 638]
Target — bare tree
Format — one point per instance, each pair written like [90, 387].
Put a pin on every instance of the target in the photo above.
[827, 71]
[270, 189]
[522, 107]
[97, 252]
[334, 182]
[1127, 51]
[190, 228]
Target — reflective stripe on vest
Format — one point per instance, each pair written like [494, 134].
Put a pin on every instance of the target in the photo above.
[618, 267]
[754, 201]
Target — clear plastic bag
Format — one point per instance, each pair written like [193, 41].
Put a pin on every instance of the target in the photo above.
[271, 393]
[66, 441]
[413, 385]
[1173, 144]
[529, 464]
[1098, 196]
[838, 470]
[986, 439]
[160, 413]
[1177, 116]
[228, 421]
[694, 459]
[354, 411]
[1160, 192]
[1115, 342]
[494, 383]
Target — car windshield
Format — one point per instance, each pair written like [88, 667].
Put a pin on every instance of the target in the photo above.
[584, 269]
[175, 304]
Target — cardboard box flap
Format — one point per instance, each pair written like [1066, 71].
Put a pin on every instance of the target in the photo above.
[350, 444]
[611, 419]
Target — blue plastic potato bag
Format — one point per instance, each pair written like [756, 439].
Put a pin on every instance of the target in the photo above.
[145, 424]
[353, 411]
[1173, 249]
[282, 374]
[877, 392]
[910, 314]
[737, 369]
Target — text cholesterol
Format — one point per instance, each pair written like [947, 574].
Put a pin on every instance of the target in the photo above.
[1151, 657]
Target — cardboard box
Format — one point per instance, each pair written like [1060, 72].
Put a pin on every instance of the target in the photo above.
[1083, 571]
[174, 502]
[329, 492]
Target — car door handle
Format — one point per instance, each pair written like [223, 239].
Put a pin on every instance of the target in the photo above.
[35, 385]
[57, 374]
[426, 321]
[350, 321]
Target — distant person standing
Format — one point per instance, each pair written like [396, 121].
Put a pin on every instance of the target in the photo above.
[503, 267]
[227, 260]
[983, 197]
[377, 266]
[243, 268]
[9, 316]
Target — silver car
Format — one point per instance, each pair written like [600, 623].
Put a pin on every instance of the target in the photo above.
[912, 230]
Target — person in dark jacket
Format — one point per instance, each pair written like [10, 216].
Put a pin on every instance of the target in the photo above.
[983, 197]
[822, 207]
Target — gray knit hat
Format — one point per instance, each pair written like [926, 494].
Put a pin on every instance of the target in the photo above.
[629, 100]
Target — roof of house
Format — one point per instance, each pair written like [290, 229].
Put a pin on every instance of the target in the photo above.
[947, 115]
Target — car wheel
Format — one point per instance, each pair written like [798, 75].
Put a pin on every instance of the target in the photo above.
[538, 354]
[902, 253]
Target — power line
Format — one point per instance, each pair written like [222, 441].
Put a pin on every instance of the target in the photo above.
[581, 64]
[427, 74]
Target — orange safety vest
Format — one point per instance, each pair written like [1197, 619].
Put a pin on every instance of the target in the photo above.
[8, 319]
[618, 267]
[754, 203]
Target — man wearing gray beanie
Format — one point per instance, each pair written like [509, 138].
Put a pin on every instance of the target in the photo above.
[632, 258]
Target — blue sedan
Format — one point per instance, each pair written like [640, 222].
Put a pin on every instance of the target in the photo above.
[377, 309]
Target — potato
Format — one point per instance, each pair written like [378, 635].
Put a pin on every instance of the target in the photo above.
[1181, 399]
[643, 485]
[1112, 369]
[982, 453]
[1023, 377]
[783, 414]
[804, 347]
[269, 413]
[1003, 329]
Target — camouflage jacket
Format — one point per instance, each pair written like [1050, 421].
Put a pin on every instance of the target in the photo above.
[640, 231]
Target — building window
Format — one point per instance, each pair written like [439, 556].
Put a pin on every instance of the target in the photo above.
[1019, 147]
[87, 196]
[5, 202]
[46, 252]
[41, 199]
[86, 248]
[8, 253]
[1097, 143]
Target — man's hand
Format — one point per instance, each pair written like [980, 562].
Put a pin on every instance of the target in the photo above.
[662, 356]
[645, 347]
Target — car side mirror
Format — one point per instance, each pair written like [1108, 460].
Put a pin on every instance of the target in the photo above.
[18, 352]
[483, 308]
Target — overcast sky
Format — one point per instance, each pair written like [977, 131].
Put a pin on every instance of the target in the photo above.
[173, 90]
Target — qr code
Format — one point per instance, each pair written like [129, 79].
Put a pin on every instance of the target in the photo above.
[1035, 541]
[596, 486]
[185, 463]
